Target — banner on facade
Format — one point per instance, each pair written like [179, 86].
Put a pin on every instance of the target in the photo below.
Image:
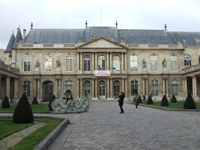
[101, 73]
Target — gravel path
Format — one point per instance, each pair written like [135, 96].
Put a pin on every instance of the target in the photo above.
[14, 138]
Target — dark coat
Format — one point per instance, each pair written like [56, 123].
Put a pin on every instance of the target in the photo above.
[121, 102]
[136, 100]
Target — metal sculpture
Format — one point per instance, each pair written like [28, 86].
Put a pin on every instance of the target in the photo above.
[60, 104]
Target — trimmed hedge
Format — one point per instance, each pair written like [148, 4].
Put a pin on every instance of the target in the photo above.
[164, 101]
[49, 106]
[149, 101]
[189, 102]
[35, 101]
[5, 103]
[140, 100]
[23, 112]
[174, 99]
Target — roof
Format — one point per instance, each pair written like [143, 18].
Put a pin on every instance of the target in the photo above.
[10, 43]
[131, 36]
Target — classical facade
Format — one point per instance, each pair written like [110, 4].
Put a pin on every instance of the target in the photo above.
[102, 61]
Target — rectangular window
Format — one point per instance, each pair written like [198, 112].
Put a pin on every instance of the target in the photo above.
[27, 63]
[133, 63]
[153, 63]
[27, 88]
[173, 61]
[48, 63]
[155, 87]
[175, 89]
[134, 89]
[69, 63]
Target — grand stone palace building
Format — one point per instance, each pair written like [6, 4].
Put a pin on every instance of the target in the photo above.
[102, 61]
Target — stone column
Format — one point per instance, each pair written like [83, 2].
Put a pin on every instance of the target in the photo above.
[8, 86]
[108, 87]
[92, 64]
[122, 84]
[111, 87]
[144, 89]
[78, 61]
[125, 62]
[96, 88]
[93, 88]
[122, 68]
[81, 87]
[147, 87]
[184, 87]
[16, 88]
[167, 87]
[35, 87]
[111, 67]
[81, 62]
[39, 84]
[194, 86]
[77, 88]
[126, 91]
[164, 89]
[96, 62]
[107, 66]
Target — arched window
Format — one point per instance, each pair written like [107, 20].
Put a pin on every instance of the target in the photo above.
[87, 87]
[116, 88]
[155, 87]
[101, 63]
[174, 87]
[116, 64]
[187, 60]
[87, 63]
[69, 86]
[134, 87]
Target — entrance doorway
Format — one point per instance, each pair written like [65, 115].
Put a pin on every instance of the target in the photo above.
[102, 90]
[47, 91]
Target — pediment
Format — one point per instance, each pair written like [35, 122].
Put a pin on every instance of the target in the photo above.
[102, 43]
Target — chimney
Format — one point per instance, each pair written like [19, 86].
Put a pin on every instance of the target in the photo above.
[86, 23]
[31, 25]
[116, 24]
[24, 33]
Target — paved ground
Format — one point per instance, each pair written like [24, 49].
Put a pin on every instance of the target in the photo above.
[140, 129]
[103, 128]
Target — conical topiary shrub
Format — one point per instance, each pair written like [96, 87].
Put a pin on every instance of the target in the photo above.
[174, 99]
[149, 101]
[23, 112]
[35, 101]
[140, 100]
[71, 98]
[49, 106]
[189, 102]
[5, 103]
[164, 101]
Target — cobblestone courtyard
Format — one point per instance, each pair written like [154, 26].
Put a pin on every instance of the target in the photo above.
[140, 129]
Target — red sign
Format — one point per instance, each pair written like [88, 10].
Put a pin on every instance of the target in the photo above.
[101, 72]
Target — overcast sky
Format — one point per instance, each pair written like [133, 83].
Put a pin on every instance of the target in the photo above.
[179, 15]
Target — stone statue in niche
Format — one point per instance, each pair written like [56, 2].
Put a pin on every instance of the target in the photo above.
[37, 65]
[58, 62]
[80, 40]
[144, 64]
[164, 63]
